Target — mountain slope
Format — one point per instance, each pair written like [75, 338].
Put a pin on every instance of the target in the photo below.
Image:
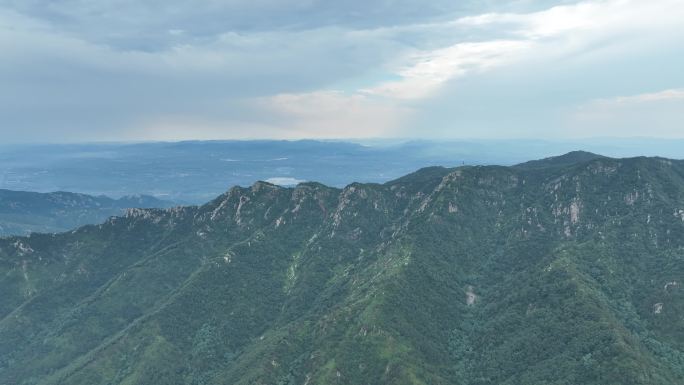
[474, 275]
[23, 212]
[564, 160]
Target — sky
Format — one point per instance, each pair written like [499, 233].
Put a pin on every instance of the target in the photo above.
[133, 70]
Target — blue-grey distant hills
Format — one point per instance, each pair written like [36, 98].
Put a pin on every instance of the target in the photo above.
[24, 212]
[196, 171]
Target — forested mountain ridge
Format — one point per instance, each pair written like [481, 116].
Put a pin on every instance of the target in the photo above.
[566, 272]
[23, 212]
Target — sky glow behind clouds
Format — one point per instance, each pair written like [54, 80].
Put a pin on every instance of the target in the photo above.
[171, 70]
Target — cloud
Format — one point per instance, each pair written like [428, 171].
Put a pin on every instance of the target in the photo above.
[555, 32]
[58, 86]
[323, 115]
[326, 114]
[603, 16]
[648, 114]
[652, 97]
[82, 70]
[144, 25]
[564, 57]
[432, 69]
[285, 181]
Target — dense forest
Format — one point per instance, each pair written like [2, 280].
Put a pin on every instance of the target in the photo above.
[566, 270]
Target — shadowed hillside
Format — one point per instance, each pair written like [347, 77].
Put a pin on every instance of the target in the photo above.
[23, 212]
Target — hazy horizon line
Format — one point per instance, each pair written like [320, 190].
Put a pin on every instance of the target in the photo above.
[396, 140]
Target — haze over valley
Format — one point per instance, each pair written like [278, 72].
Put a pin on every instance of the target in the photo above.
[195, 172]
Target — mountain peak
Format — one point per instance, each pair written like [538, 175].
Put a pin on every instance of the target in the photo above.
[572, 157]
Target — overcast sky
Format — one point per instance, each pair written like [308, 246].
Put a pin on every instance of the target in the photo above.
[121, 70]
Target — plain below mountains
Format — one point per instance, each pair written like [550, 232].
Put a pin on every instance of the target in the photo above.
[23, 212]
[562, 271]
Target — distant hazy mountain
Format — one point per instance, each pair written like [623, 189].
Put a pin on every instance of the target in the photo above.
[195, 172]
[567, 270]
[23, 212]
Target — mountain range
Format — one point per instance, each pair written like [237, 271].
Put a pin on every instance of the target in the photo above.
[566, 270]
[24, 212]
[194, 172]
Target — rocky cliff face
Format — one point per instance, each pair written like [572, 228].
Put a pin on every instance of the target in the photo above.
[564, 271]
